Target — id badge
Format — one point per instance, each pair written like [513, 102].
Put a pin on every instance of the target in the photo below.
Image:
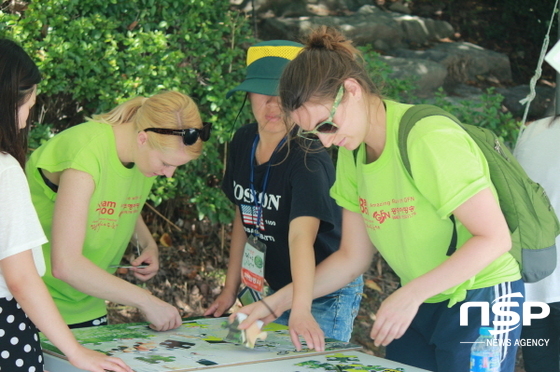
[252, 266]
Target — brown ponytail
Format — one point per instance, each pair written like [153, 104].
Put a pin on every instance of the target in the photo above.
[327, 60]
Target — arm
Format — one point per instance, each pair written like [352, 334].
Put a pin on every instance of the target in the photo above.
[69, 264]
[301, 236]
[340, 268]
[149, 251]
[226, 299]
[482, 216]
[31, 293]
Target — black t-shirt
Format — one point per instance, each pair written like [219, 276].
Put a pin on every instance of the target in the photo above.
[298, 185]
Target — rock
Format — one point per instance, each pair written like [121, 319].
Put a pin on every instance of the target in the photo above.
[414, 46]
[383, 30]
[541, 106]
[428, 76]
[465, 62]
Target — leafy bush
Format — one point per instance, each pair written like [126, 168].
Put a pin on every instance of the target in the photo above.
[487, 113]
[95, 54]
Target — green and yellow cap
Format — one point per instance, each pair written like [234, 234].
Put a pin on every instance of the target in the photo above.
[265, 63]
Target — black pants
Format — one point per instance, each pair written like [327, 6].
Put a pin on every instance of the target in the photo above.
[90, 323]
[543, 358]
[20, 349]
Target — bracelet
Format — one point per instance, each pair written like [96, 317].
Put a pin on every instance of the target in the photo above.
[269, 308]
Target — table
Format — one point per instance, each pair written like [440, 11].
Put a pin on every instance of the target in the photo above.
[346, 361]
[199, 344]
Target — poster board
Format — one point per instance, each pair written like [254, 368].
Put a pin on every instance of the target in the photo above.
[197, 344]
[342, 361]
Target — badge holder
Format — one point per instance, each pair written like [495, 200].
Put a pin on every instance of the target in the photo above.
[252, 266]
[248, 295]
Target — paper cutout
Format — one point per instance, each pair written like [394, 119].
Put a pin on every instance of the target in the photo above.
[247, 337]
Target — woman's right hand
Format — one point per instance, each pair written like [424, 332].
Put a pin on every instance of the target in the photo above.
[94, 361]
[257, 311]
[221, 304]
[161, 315]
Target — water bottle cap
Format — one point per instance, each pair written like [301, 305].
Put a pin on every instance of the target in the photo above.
[485, 331]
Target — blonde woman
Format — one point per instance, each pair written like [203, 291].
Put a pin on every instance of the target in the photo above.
[89, 184]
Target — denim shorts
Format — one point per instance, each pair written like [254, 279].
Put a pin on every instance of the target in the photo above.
[335, 312]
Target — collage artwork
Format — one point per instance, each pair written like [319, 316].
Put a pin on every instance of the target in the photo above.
[208, 342]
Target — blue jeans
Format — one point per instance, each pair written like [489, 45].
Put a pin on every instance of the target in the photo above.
[437, 342]
[335, 312]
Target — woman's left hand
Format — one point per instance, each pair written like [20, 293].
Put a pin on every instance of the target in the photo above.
[150, 257]
[394, 316]
[304, 324]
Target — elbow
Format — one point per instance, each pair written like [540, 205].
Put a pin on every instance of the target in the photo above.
[507, 244]
[15, 287]
[60, 272]
[502, 243]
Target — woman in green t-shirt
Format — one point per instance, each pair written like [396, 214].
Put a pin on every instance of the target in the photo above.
[89, 184]
[328, 93]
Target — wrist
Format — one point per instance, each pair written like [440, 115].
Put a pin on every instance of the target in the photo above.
[270, 309]
[415, 291]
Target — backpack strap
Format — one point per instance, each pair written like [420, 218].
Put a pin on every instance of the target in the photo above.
[411, 117]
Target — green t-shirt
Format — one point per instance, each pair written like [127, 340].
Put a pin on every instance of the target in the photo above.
[114, 207]
[408, 220]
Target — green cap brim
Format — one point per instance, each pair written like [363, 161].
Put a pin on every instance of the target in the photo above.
[263, 77]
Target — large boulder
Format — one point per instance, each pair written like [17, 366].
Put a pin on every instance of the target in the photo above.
[417, 47]
[465, 62]
[426, 75]
[384, 30]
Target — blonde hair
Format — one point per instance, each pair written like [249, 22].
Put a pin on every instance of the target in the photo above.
[170, 110]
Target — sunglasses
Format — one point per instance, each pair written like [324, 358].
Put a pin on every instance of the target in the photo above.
[327, 126]
[190, 136]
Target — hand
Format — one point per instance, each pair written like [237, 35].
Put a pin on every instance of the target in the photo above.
[150, 257]
[394, 316]
[302, 323]
[257, 311]
[221, 304]
[94, 361]
[161, 315]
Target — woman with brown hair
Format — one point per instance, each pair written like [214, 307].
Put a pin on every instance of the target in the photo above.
[328, 93]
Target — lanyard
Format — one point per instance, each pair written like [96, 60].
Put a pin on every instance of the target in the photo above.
[258, 202]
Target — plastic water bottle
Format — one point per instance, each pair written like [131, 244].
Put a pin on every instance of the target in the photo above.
[485, 353]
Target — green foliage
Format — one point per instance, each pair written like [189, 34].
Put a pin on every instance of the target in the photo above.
[487, 113]
[95, 54]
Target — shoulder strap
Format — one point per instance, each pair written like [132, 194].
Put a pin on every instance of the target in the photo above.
[411, 117]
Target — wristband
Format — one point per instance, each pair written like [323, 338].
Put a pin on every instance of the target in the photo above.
[269, 308]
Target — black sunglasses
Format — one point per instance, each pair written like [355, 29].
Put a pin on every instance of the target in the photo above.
[190, 136]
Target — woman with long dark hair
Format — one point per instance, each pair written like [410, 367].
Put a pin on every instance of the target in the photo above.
[24, 299]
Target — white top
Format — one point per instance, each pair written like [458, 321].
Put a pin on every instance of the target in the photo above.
[20, 229]
[538, 151]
